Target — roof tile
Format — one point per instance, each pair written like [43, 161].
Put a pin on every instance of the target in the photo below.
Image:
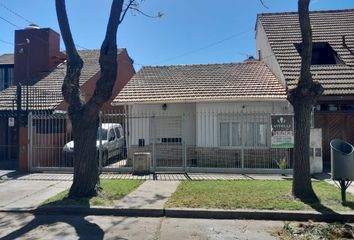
[283, 30]
[204, 82]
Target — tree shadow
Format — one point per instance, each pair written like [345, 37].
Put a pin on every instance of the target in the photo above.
[84, 228]
[318, 206]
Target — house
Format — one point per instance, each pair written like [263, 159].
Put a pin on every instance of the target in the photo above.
[6, 70]
[39, 69]
[278, 42]
[212, 117]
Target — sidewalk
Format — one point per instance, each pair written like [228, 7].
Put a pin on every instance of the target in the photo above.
[25, 193]
[19, 194]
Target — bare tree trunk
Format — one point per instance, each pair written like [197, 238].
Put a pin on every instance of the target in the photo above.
[303, 98]
[84, 116]
[86, 174]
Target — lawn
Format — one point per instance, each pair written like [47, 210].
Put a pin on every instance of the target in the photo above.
[113, 191]
[254, 194]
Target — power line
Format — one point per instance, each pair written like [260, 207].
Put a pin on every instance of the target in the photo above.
[6, 42]
[13, 12]
[28, 21]
[204, 47]
[11, 23]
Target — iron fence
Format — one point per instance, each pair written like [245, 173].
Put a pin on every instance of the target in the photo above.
[178, 142]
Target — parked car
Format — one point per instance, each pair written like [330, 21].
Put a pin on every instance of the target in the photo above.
[112, 142]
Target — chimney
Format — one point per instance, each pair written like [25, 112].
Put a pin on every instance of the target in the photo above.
[250, 59]
[37, 52]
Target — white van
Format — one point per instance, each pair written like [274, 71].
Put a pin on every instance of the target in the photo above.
[112, 140]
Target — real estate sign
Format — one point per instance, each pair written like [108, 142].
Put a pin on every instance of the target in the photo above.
[282, 131]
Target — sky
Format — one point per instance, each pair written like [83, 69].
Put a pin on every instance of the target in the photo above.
[189, 32]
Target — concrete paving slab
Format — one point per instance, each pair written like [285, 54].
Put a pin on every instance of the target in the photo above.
[216, 176]
[15, 194]
[268, 176]
[191, 229]
[149, 195]
[28, 226]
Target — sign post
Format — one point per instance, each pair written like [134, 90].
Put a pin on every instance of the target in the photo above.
[11, 122]
[282, 131]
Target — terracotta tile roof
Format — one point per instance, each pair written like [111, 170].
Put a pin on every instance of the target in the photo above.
[283, 30]
[46, 94]
[7, 59]
[208, 82]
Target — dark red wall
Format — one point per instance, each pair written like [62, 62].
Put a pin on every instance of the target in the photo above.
[38, 56]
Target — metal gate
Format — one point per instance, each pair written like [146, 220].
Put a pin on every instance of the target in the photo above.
[168, 144]
[9, 141]
[199, 142]
[48, 134]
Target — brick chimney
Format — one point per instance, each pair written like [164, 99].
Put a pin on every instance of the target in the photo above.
[37, 52]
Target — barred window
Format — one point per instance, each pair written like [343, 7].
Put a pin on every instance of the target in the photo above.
[256, 134]
[6, 77]
[230, 134]
[248, 130]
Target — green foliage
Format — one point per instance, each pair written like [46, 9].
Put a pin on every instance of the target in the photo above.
[253, 194]
[282, 163]
[113, 190]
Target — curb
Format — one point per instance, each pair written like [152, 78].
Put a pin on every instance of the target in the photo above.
[191, 213]
[261, 215]
[80, 210]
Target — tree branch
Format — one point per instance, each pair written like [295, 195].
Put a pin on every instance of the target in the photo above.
[108, 60]
[264, 4]
[71, 84]
[126, 10]
[159, 14]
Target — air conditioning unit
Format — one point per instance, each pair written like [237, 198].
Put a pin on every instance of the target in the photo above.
[141, 163]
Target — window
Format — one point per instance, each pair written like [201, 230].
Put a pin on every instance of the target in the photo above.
[111, 135]
[256, 134]
[117, 132]
[6, 76]
[2, 78]
[224, 134]
[171, 140]
[230, 134]
[247, 130]
[322, 53]
[333, 107]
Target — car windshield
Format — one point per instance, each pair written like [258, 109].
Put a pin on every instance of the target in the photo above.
[103, 134]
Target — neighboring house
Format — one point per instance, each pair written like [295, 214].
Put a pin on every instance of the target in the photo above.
[213, 117]
[278, 41]
[6, 70]
[40, 68]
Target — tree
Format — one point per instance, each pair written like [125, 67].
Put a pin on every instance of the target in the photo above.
[303, 98]
[85, 115]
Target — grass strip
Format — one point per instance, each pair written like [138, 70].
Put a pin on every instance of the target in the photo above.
[254, 194]
[113, 190]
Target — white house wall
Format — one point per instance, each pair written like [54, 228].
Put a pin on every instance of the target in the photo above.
[207, 116]
[142, 124]
[266, 54]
